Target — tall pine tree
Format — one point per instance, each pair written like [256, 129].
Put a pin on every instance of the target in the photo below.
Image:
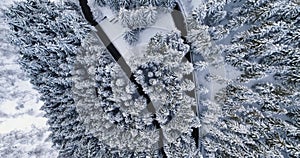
[48, 36]
[258, 110]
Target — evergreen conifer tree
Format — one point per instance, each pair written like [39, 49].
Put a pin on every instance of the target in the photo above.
[48, 36]
[161, 73]
[259, 108]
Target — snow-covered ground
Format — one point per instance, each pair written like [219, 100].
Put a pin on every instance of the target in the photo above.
[19, 104]
[164, 24]
[189, 5]
[115, 31]
[21, 118]
[186, 6]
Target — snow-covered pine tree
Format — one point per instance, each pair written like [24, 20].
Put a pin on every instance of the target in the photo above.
[149, 2]
[100, 2]
[169, 4]
[202, 44]
[134, 15]
[258, 121]
[48, 36]
[214, 14]
[132, 36]
[259, 109]
[127, 3]
[10, 73]
[116, 5]
[111, 110]
[18, 101]
[138, 18]
[161, 73]
[274, 48]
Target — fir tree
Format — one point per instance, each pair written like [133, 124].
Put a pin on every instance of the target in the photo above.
[11, 74]
[100, 2]
[48, 36]
[254, 120]
[131, 36]
[138, 18]
[258, 109]
[160, 72]
[116, 115]
[272, 42]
